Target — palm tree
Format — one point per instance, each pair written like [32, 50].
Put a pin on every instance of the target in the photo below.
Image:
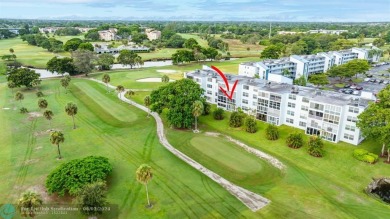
[19, 96]
[11, 50]
[197, 110]
[11, 85]
[42, 103]
[65, 84]
[106, 79]
[56, 138]
[71, 110]
[147, 103]
[165, 79]
[48, 114]
[28, 203]
[130, 93]
[144, 175]
[120, 89]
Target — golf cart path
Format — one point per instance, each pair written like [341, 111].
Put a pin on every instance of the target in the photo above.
[252, 200]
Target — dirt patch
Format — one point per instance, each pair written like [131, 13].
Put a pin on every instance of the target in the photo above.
[6, 108]
[33, 115]
[40, 189]
[151, 80]
[32, 161]
[38, 148]
[213, 134]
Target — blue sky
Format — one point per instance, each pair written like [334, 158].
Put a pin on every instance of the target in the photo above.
[209, 10]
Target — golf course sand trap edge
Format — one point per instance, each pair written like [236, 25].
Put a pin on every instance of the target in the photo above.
[151, 80]
[167, 71]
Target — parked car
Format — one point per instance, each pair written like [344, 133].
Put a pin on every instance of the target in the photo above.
[347, 86]
[385, 82]
[367, 79]
[380, 81]
[359, 88]
[369, 76]
[372, 80]
[356, 92]
[348, 91]
[353, 86]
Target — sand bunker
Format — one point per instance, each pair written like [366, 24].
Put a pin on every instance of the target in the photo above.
[167, 71]
[151, 80]
[6, 108]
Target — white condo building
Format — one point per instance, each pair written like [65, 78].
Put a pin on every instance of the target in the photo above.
[329, 114]
[302, 65]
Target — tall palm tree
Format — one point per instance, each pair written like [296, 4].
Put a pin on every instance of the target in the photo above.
[106, 79]
[19, 96]
[120, 89]
[56, 138]
[147, 103]
[144, 175]
[65, 84]
[197, 110]
[48, 114]
[11, 85]
[130, 93]
[42, 103]
[28, 203]
[71, 110]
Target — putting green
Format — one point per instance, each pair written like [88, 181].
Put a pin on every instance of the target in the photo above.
[92, 96]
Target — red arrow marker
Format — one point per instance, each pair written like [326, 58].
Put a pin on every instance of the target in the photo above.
[230, 96]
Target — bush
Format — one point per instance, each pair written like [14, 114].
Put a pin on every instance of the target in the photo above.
[236, 119]
[272, 132]
[294, 140]
[218, 114]
[39, 94]
[316, 146]
[23, 110]
[363, 155]
[206, 108]
[70, 177]
[251, 125]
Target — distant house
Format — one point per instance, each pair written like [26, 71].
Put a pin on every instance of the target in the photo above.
[49, 29]
[152, 34]
[288, 32]
[83, 29]
[337, 32]
[108, 35]
[103, 48]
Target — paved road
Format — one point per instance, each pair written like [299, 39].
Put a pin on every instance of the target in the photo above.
[252, 200]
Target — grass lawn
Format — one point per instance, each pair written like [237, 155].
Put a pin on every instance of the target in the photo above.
[26, 54]
[128, 78]
[165, 53]
[177, 190]
[340, 85]
[202, 42]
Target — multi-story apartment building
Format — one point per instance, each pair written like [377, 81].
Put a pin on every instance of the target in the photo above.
[337, 32]
[153, 34]
[329, 114]
[108, 35]
[283, 70]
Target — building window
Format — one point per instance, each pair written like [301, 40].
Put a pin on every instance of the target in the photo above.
[353, 109]
[317, 106]
[288, 120]
[292, 97]
[291, 105]
[245, 94]
[274, 105]
[209, 92]
[302, 116]
[302, 124]
[209, 86]
[350, 128]
[305, 108]
[276, 98]
[246, 87]
[209, 79]
[305, 99]
[348, 136]
[351, 119]
[289, 112]
[245, 101]
[254, 96]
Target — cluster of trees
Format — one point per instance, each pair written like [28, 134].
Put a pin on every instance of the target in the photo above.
[215, 43]
[67, 31]
[51, 44]
[77, 43]
[194, 52]
[300, 44]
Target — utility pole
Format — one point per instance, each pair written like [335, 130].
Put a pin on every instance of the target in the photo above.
[270, 29]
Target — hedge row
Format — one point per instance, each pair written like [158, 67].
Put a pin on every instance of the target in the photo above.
[365, 156]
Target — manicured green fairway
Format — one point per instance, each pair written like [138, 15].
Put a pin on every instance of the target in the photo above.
[177, 190]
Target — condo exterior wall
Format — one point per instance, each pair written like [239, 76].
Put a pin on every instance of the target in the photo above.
[329, 114]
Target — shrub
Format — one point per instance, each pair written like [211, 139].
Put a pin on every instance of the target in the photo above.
[218, 114]
[294, 140]
[363, 155]
[206, 108]
[236, 119]
[251, 125]
[23, 110]
[316, 146]
[70, 177]
[272, 132]
[39, 94]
